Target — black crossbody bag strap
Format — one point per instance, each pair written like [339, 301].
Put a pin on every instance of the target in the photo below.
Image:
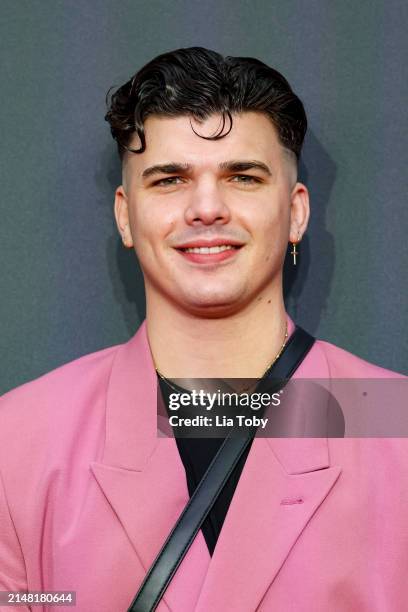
[210, 486]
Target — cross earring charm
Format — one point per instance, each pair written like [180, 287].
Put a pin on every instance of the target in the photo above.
[294, 253]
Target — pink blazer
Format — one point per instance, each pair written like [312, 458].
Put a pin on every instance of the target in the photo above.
[88, 494]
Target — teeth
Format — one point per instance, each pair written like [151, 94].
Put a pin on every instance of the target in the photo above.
[207, 250]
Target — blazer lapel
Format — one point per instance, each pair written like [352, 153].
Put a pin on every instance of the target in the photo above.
[142, 476]
[269, 511]
[283, 484]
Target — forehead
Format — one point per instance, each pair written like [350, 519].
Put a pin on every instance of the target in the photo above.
[252, 136]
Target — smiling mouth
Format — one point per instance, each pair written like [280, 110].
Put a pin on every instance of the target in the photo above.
[209, 255]
[209, 250]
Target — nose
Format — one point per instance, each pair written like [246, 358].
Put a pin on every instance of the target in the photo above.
[207, 205]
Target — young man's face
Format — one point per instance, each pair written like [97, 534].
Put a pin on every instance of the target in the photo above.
[185, 192]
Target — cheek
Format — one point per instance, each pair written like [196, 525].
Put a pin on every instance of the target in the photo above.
[151, 228]
[271, 226]
[270, 237]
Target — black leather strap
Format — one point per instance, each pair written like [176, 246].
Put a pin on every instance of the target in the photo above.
[210, 486]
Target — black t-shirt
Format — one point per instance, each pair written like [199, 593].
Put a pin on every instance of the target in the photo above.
[196, 455]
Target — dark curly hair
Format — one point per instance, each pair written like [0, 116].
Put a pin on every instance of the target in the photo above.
[199, 82]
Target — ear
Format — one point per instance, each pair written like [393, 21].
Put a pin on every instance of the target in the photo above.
[299, 212]
[121, 211]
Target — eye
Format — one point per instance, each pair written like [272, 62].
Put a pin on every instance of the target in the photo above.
[170, 180]
[246, 178]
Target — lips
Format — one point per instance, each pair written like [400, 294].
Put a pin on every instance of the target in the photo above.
[213, 252]
[214, 242]
[207, 250]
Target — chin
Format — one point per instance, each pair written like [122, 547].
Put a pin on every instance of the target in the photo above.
[211, 305]
[211, 311]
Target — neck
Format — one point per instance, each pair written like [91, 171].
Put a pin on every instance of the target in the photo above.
[241, 345]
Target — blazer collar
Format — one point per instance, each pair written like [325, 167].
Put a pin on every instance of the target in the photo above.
[131, 405]
[131, 410]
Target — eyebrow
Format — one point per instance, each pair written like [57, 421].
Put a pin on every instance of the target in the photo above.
[232, 166]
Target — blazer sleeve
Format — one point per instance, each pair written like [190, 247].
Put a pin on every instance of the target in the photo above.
[12, 568]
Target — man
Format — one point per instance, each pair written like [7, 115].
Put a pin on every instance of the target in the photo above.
[209, 201]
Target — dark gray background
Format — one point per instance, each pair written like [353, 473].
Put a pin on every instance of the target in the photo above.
[67, 285]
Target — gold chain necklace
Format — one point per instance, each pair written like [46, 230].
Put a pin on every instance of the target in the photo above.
[167, 381]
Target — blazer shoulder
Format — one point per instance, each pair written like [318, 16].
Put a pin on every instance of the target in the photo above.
[57, 387]
[343, 364]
